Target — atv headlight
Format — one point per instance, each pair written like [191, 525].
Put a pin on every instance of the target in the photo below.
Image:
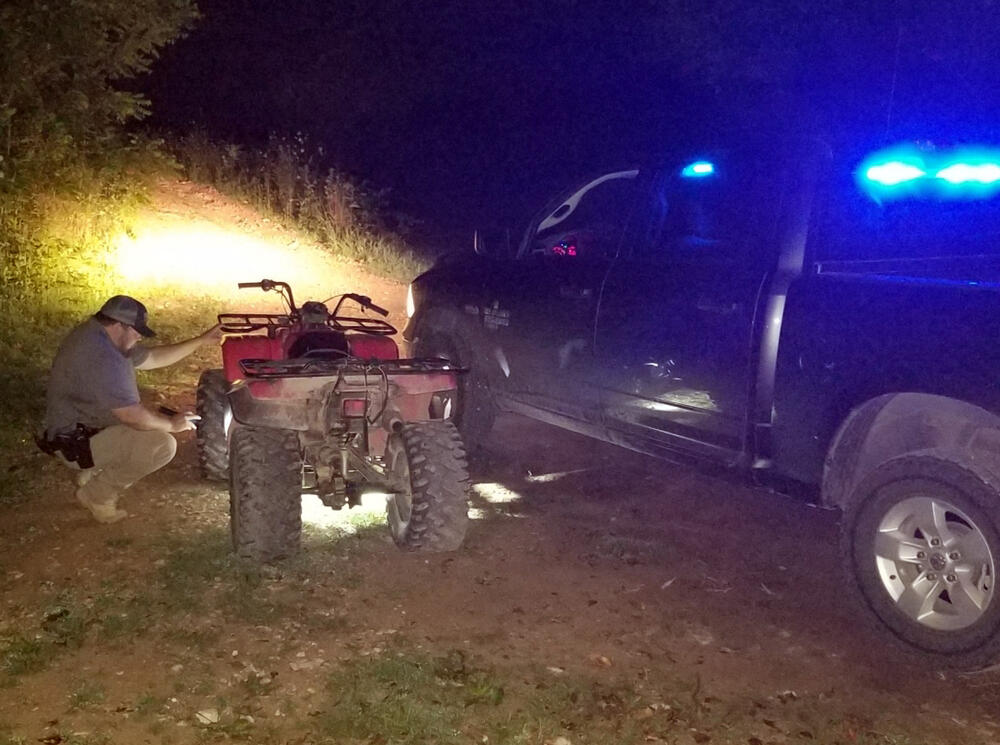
[411, 307]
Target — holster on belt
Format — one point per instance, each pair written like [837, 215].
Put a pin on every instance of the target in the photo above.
[73, 446]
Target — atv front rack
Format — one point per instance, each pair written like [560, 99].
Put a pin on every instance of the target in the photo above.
[241, 323]
[308, 367]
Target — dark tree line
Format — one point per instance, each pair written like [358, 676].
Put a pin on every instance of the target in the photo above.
[64, 71]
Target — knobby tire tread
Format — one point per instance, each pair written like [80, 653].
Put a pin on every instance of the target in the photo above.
[265, 493]
[211, 406]
[439, 481]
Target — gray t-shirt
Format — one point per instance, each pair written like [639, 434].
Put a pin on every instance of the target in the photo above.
[89, 378]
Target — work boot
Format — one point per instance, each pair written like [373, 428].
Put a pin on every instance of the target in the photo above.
[85, 475]
[103, 512]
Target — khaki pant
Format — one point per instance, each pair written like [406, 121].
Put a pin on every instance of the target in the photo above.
[122, 456]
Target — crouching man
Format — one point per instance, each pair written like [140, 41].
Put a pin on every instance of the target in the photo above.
[94, 421]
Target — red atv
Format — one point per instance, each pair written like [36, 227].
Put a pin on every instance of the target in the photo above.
[318, 401]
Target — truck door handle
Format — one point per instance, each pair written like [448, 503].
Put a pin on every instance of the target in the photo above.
[569, 292]
[719, 307]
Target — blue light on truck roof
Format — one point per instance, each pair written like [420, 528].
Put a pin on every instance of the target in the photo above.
[698, 169]
[906, 172]
[970, 173]
[894, 172]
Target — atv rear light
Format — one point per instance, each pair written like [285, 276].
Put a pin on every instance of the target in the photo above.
[355, 407]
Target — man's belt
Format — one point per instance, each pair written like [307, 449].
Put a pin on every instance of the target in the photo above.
[73, 446]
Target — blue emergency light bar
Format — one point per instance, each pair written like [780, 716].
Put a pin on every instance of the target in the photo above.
[894, 172]
[698, 169]
[904, 172]
[970, 173]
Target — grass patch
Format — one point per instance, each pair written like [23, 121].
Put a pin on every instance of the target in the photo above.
[86, 695]
[7, 737]
[190, 566]
[20, 655]
[366, 521]
[407, 698]
[290, 180]
[149, 704]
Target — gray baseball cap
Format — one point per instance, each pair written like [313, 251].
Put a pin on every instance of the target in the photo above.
[129, 311]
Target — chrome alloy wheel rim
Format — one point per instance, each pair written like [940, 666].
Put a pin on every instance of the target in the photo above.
[935, 563]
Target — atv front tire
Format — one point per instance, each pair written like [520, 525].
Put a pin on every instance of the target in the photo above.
[213, 408]
[430, 510]
[265, 488]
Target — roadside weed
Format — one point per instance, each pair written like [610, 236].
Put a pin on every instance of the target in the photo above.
[20, 655]
[289, 180]
[86, 695]
[149, 704]
[11, 739]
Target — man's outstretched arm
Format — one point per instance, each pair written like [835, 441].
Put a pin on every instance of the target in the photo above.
[168, 354]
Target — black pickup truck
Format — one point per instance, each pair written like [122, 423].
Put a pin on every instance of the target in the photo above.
[824, 320]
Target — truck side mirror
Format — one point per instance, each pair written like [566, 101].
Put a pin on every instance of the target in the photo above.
[494, 243]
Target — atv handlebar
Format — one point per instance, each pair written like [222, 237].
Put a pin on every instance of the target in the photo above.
[270, 284]
[363, 300]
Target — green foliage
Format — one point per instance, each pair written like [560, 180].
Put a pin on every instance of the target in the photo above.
[403, 698]
[20, 654]
[63, 69]
[287, 179]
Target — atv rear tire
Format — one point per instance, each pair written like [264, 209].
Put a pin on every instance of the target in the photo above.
[475, 411]
[213, 408]
[265, 489]
[427, 462]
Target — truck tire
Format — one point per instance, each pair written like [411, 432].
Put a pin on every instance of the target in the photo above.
[475, 411]
[213, 408]
[265, 489]
[921, 539]
[426, 460]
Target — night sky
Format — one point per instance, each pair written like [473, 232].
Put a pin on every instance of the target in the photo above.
[473, 112]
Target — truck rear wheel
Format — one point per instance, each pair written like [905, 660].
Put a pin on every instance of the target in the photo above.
[922, 541]
[430, 512]
[265, 488]
[475, 411]
[213, 408]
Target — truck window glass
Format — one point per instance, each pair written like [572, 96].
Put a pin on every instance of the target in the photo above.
[718, 209]
[594, 228]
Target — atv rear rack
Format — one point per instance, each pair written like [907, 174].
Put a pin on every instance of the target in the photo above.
[307, 367]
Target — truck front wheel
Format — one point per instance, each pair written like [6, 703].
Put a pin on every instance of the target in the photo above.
[429, 510]
[923, 548]
[265, 493]
[475, 411]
